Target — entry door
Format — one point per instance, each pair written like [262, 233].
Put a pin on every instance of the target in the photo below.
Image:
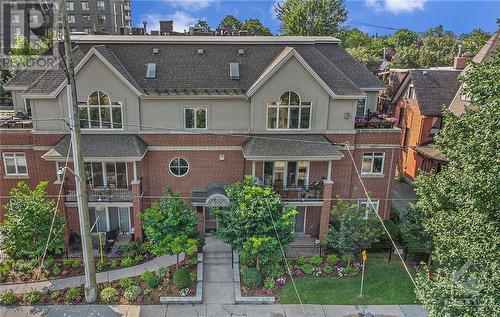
[300, 220]
[210, 221]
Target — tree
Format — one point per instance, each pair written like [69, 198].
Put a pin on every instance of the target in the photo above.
[355, 38]
[407, 57]
[23, 52]
[202, 24]
[353, 229]
[255, 213]
[365, 57]
[438, 49]
[459, 207]
[474, 41]
[403, 38]
[414, 235]
[255, 27]
[311, 17]
[27, 223]
[261, 248]
[231, 22]
[170, 225]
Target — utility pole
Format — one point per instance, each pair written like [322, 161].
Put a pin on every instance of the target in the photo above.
[80, 179]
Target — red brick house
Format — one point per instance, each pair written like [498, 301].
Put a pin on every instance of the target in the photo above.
[195, 113]
[419, 102]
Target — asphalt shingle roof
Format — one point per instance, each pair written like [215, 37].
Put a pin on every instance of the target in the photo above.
[290, 145]
[434, 89]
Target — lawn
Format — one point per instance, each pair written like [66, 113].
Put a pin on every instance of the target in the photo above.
[385, 283]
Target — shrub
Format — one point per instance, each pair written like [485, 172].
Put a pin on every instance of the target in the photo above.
[138, 259]
[126, 262]
[307, 269]
[73, 293]
[150, 279]
[251, 277]
[132, 292]
[193, 275]
[162, 272]
[316, 260]
[114, 264]
[146, 247]
[394, 230]
[8, 298]
[348, 258]
[50, 262]
[101, 266]
[24, 266]
[126, 282]
[269, 283]
[328, 270]
[75, 264]
[301, 260]
[273, 269]
[332, 259]
[108, 295]
[33, 297]
[247, 259]
[182, 278]
[131, 249]
[56, 271]
[54, 295]
[4, 272]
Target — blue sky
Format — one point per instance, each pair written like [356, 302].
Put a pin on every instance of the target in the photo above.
[417, 15]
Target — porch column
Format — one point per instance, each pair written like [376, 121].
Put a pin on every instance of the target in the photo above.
[137, 207]
[329, 173]
[253, 169]
[325, 210]
[135, 171]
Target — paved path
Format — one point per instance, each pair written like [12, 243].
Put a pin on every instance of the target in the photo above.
[403, 194]
[218, 287]
[109, 276]
[213, 310]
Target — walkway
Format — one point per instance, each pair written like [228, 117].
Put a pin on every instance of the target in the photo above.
[102, 277]
[218, 287]
[213, 310]
[403, 194]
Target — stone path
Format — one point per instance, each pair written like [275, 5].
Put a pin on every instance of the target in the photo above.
[109, 276]
[213, 310]
[218, 287]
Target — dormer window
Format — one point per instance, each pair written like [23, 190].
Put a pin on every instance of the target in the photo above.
[289, 113]
[411, 92]
[151, 70]
[100, 112]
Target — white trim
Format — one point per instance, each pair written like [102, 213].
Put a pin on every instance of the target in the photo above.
[288, 107]
[192, 97]
[188, 167]
[372, 156]
[293, 158]
[253, 169]
[366, 202]
[195, 117]
[305, 220]
[15, 147]
[193, 148]
[15, 154]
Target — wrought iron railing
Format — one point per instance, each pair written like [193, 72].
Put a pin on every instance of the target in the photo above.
[101, 194]
[300, 192]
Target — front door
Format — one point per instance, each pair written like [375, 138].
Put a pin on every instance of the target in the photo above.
[300, 219]
[210, 221]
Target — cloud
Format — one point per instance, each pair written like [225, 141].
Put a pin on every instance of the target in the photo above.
[193, 5]
[396, 6]
[182, 20]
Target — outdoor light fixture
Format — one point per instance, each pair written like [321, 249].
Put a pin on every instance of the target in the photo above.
[60, 172]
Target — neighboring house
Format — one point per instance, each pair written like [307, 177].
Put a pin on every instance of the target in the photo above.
[195, 113]
[419, 102]
[460, 101]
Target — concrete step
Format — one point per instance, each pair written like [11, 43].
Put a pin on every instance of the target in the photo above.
[218, 255]
[217, 261]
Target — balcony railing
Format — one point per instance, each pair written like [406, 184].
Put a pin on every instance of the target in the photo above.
[300, 192]
[12, 122]
[101, 194]
[374, 121]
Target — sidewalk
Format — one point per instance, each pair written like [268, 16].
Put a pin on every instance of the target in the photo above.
[102, 277]
[218, 286]
[213, 310]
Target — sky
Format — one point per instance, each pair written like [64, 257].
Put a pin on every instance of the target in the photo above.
[372, 16]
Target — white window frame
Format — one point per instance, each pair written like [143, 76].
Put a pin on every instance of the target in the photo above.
[105, 173]
[15, 18]
[108, 228]
[196, 118]
[71, 18]
[372, 156]
[99, 106]
[278, 106]
[188, 166]
[99, 7]
[364, 202]
[364, 108]
[285, 172]
[410, 94]
[70, 6]
[15, 155]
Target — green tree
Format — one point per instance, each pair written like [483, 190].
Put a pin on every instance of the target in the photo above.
[255, 27]
[261, 248]
[23, 52]
[170, 225]
[255, 212]
[403, 38]
[355, 38]
[407, 57]
[414, 236]
[353, 229]
[365, 57]
[459, 208]
[27, 223]
[311, 17]
[482, 82]
[437, 50]
[474, 41]
[231, 22]
[202, 24]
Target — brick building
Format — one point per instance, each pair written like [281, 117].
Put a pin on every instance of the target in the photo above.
[196, 113]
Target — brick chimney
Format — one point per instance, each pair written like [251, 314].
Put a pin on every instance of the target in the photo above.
[459, 62]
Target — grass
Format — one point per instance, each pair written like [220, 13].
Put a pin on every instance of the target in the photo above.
[385, 283]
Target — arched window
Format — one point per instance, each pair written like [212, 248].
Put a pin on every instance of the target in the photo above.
[289, 112]
[100, 112]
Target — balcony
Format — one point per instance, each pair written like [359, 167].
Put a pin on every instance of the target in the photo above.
[14, 122]
[300, 193]
[374, 121]
[101, 194]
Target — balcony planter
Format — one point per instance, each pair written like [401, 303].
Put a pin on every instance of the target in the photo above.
[389, 122]
[360, 122]
[374, 122]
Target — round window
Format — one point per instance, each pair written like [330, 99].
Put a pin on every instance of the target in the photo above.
[178, 167]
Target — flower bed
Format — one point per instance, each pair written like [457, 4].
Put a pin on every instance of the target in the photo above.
[144, 289]
[375, 120]
[24, 271]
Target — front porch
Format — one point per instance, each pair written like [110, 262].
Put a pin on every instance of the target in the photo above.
[305, 246]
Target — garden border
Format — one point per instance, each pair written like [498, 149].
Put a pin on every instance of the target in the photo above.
[237, 287]
[198, 298]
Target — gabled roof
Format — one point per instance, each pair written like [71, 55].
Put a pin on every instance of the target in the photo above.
[182, 71]
[434, 89]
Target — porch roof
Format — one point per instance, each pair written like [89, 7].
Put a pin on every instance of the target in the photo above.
[126, 147]
[309, 147]
[431, 152]
[213, 195]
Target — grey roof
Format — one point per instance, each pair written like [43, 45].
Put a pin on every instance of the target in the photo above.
[290, 145]
[434, 89]
[106, 145]
[180, 70]
[27, 76]
[199, 196]
[431, 151]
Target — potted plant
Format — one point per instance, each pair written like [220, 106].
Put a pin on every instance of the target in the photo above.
[360, 122]
[374, 122]
[389, 122]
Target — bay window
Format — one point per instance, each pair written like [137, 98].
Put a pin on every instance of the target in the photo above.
[100, 112]
[289, 112]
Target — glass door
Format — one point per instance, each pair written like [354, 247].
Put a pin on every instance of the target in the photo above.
[210, 221]
[300, 220]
